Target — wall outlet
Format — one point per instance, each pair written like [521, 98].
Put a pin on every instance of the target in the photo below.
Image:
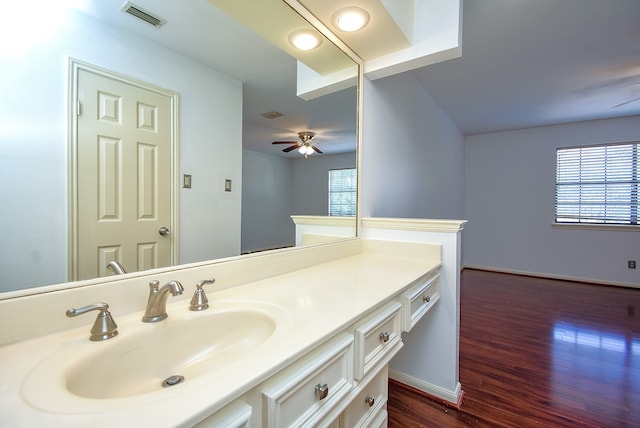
[631, 264]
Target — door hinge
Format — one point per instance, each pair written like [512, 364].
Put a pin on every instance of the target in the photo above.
[78, 108]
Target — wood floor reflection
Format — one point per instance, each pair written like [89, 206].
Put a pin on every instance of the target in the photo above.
[538, 352]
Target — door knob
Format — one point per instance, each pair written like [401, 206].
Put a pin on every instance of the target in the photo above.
[163, 231]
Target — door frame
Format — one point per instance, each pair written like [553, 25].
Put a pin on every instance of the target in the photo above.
[74, 68]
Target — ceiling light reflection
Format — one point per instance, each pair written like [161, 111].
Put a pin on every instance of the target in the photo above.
[305, 40]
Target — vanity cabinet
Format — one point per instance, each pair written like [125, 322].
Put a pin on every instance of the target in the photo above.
[319, 339]
[343, 383]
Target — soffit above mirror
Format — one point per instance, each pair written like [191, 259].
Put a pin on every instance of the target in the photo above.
[388, 30]
[401, 35]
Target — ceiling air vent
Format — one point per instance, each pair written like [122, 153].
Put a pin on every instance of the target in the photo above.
[142, 14]
[271, 114]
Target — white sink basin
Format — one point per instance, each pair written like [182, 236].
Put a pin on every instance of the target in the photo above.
[87, 376]
[139, 363]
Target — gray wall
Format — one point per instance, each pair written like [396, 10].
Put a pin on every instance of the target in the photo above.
[417, 163]
[509, 201]
[412, 154]
[274, 188]
[266, 202]
[310, 185]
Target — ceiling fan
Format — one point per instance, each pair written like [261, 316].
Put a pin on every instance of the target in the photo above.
[305, 146]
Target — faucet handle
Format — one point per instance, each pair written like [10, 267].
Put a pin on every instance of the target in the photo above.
[154, 285]
[199, 301]
[104, 326]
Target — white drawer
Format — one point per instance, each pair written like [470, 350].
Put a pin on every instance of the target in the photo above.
[377, 337]
[307, 391]
[368, 403]
[418, 300]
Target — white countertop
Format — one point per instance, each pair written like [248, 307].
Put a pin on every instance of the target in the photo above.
[317, 302]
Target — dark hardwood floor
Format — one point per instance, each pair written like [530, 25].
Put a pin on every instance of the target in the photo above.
[538, 353]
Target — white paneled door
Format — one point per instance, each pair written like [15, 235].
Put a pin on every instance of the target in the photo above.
[124, 151]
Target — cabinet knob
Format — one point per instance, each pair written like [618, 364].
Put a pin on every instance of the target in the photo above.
[322, 391]
[426, 299]
[370, 400]
[384, 337]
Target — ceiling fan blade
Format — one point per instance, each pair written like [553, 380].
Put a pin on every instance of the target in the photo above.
[285, 142]
[288, 149]
[316, 149]
[626, 102]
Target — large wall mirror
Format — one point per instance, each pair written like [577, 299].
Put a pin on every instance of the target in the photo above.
[237, 91]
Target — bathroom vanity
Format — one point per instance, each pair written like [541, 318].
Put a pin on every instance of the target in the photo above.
[299, 337]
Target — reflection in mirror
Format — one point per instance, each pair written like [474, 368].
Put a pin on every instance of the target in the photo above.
[225, 77]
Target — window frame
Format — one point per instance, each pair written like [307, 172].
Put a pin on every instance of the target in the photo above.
[353, 207]
[604, 184]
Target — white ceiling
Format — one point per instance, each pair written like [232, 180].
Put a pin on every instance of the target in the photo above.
[524, 63]
[203, 33]
[529, 63]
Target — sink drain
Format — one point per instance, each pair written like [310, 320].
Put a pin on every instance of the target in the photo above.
[172, 380]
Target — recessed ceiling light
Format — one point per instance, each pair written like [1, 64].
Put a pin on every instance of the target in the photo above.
[351, 18]
[305, 40]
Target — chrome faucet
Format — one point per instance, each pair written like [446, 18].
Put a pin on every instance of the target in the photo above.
[116, 268]
[157, 303]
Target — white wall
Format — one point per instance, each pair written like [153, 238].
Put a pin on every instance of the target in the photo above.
[509, 202]
[274, 188]
[33, 144]
[413, 167]
[412, 153]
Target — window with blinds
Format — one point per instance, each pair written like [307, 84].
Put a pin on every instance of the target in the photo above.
[598, 184]
[342, 192]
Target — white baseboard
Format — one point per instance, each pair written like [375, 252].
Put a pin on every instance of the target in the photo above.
[552, 276]
[451, 396]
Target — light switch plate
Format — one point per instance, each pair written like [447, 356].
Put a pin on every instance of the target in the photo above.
[186, 181]
[227, 185]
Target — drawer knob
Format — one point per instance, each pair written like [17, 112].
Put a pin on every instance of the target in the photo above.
[322, 391]
[426, 299]
[370, 400]
[384, 337]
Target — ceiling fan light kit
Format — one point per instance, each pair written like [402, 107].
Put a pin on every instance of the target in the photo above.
[305, 146]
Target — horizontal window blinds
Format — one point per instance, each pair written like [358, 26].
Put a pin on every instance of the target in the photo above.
[597, 184]
[342, 192]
